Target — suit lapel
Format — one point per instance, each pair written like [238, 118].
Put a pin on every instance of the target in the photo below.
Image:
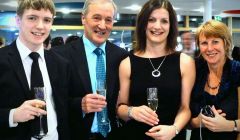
[80, 61]
[15, 60]
[109, 62]
[51, 66]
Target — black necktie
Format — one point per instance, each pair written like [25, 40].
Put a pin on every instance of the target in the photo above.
[36, 75]
[37, 81]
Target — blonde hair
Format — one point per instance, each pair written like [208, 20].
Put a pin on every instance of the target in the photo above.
[216, 29]
[36, 5]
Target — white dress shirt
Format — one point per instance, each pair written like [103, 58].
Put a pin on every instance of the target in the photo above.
[27, 64]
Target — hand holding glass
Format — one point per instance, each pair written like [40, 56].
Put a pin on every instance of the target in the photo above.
[39, 93]
[152, 98]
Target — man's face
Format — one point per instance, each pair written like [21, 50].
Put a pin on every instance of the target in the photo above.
[98, 22]
[187, 40]
[34, 27]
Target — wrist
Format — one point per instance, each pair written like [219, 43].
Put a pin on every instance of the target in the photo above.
[176, 129]
[235, 128]
[129, 113]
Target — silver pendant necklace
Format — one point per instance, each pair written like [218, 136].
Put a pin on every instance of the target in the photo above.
[156, 72]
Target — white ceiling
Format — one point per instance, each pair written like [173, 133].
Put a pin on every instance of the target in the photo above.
[184, 7]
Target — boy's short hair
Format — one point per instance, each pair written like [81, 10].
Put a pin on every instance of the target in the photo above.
[36, 5]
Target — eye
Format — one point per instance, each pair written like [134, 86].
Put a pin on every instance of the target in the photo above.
[215, 42]
[164, 21]
[48, 20]
[151, 20]
[203, 43]
[96, 18]
[108, 20]
[32, 18]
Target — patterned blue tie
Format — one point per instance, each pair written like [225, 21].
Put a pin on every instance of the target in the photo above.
[101, 75]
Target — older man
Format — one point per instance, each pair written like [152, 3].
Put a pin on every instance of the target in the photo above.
[97, 19]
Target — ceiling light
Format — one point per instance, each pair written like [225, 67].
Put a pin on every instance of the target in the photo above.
[65, 10]
[201, 10]
[133, 7]
[193, 19]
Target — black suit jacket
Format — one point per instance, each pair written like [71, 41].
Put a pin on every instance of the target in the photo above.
[81, 127]
[14, 90]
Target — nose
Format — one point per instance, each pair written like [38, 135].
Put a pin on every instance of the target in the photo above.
[210, 47]
[102, 24]
[158, 24]
[40, 24]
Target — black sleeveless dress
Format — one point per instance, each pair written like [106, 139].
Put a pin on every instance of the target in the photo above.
[169, 92]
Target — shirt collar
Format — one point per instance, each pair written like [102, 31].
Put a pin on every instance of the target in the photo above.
[24, 51]
[90, 47]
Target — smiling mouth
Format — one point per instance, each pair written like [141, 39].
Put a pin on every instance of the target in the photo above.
[156, 33]
[211, 54]
[100, 32]
[37, 34]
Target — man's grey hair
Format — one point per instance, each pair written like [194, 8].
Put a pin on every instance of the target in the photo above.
[89, 2]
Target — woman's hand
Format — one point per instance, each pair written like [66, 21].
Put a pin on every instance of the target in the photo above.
[144, 114]
[162, 132]
[218, 123]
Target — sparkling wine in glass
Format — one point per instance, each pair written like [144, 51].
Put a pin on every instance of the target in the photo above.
[152, 98]
[39, 93]
[101, 90]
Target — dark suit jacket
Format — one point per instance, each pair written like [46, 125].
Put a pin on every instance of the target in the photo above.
[14, 90]
[81, 127]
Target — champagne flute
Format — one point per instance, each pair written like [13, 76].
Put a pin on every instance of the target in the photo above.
[152, 98]
[40, 94]
[101, 90]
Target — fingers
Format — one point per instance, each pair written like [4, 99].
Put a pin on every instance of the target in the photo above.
[152, 134]
[93, 103]
[161, 132]
[154, 129]
[220, 112]
[28, 110]
[214, 110]
[145, 114]
[150, 115]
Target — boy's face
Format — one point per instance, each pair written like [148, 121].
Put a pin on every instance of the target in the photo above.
[34, 27]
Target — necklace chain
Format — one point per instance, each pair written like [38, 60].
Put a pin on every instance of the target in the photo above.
[156, 72]
[213, 88]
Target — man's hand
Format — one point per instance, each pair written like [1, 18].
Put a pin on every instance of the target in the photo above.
[93, 103]
[28, 110]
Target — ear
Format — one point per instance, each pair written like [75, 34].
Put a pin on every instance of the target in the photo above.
[83, 20]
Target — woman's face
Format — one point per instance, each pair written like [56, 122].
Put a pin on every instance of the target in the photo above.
[158, 27]
[212, 49]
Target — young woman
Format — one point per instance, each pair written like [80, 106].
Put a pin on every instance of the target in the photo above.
[154, 63]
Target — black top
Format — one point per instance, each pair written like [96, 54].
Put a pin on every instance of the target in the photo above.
[226, 99]
[169, 91]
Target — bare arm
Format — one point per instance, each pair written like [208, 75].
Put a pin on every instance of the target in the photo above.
[139, 113]
[187, 67]
[188, 73]
[124, 77]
